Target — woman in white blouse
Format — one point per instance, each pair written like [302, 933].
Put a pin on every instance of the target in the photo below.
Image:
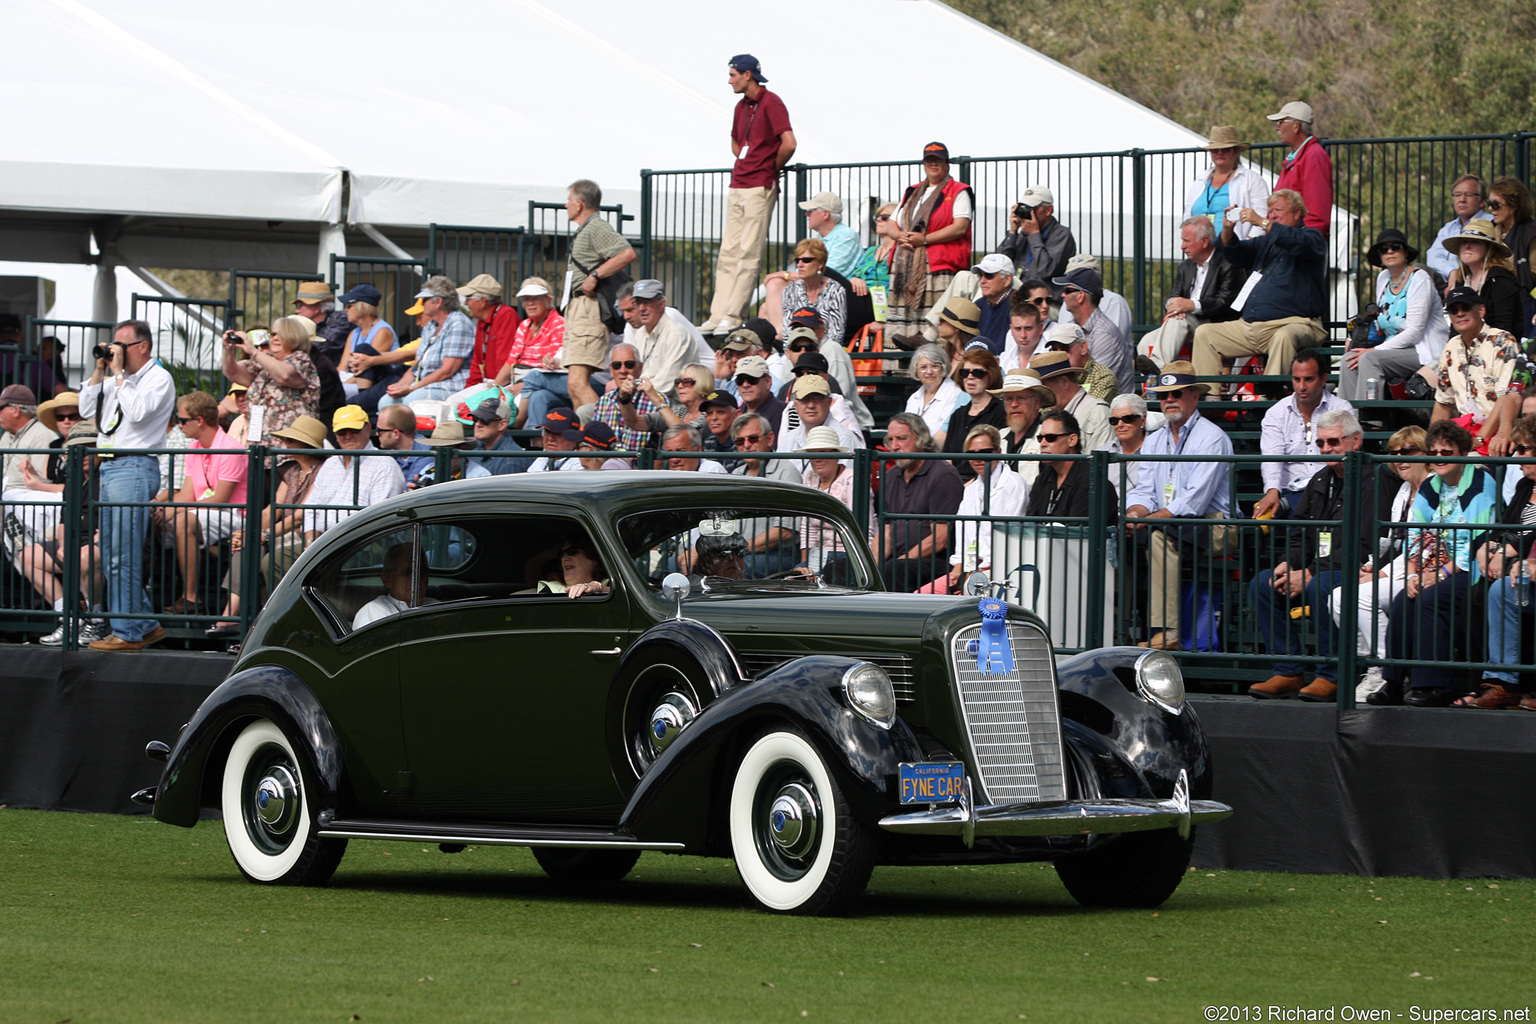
[938, 397]
[1411, 324]
[1226, 183]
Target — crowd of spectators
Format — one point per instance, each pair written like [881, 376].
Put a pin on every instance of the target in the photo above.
[1023, 360]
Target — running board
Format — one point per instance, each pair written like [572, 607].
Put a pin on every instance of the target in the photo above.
[488, 835]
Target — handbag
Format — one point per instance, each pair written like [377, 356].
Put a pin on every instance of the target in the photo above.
[606, 295]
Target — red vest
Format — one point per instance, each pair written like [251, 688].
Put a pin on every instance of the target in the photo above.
[956, 253]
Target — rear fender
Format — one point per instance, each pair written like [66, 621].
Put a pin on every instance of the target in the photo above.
[685, 791]
[263, 691]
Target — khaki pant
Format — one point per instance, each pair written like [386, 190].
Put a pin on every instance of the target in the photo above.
[747, 212]
[1163, 558]
[1164, 344]
[586, 336]
[1279, 339]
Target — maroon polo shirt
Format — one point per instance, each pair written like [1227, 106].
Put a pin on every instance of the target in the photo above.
[757, 126]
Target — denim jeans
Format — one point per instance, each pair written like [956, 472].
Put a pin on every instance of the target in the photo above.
[1282, 634]
[1504, 614]
[541, 393]
[127, 480]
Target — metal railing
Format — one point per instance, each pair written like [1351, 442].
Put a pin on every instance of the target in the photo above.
[188, 337]
[53, 352]
[257, 297]
[1123, 206]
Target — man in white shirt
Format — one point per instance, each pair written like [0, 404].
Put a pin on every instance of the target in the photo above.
[664, 346]
[811, 397]
[132, 398]
[1290, 428]
[340, 482]
[396, 575]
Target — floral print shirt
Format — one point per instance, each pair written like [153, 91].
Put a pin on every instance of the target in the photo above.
[283, 405]
[1474, 379]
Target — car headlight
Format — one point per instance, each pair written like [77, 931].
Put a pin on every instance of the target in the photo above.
[1159, 679]
[870, 693]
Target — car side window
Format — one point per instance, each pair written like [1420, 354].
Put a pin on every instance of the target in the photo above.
[380, 576]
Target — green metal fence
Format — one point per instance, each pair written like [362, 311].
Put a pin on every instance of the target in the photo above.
[188, 337]
[1123, 206]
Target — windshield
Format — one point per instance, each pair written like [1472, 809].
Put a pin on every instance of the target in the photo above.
[737, 548]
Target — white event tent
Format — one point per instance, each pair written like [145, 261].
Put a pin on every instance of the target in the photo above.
[187, 134]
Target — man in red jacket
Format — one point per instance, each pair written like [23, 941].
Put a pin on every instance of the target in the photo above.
[1307, 168]
[495, 327]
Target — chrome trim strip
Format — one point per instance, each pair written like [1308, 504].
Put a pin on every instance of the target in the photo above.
[1094, 816]
[473, 840]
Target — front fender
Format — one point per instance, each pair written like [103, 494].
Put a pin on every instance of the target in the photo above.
[1098, 692]
[263, 691]
[711, 650]
[686, 791]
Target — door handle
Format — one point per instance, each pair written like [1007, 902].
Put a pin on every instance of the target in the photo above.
[611, 650]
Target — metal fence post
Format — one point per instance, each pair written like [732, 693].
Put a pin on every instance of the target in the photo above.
[1099, 494]
[74, 539]
[250, 552]
[1523, 155]
[1139, 235]
[863, 499]
[1349, 603]
[802, 182]
[646, 184]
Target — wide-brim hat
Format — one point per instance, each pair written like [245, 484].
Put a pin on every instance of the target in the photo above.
[1224, 136]
[449, 432]
[1055, 364]
[312, 293]
[63, 400]
[1478, 229]
[1176, 376]
[83, 432]
[1373, 254]
[821, 439]
[962, 314]
[1021, 382]
[305, 430]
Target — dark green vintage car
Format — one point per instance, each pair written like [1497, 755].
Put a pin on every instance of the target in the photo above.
[595, 664]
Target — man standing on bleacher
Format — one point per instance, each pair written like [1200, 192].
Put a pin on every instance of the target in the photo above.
[1181, 491]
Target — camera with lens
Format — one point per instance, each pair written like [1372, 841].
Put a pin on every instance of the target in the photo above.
[1021, 211]
[105, 351]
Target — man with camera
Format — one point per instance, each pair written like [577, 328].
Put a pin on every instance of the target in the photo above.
[131, 397]
[1037, 242]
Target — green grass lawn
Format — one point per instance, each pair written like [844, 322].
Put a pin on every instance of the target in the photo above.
[106, 918]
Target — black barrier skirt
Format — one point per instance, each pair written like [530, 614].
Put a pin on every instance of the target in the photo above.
[1430, 792]
[73, 726]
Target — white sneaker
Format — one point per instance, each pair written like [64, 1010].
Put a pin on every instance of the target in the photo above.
[708, 326]
[723, 327]
[1372, 681]
[54, 639]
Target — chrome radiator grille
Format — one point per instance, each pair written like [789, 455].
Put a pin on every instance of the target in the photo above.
[1012, 720]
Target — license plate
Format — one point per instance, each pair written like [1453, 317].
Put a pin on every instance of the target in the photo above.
[931, 783]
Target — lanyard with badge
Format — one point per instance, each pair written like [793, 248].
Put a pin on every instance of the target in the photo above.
[1168, 488]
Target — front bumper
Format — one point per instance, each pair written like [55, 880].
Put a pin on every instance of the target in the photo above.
[1106, 815]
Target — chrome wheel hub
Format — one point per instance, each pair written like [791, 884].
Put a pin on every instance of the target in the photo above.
[670, 717]
[277, 799]
[792, 820]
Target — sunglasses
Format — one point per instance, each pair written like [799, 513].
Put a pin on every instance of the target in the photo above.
[1058, 346]
[801, 371]
[570, 552]
[349, 431]
[742, 380]
[1069, 291]
[802, 346]
[1053, 438]
[1391, 247]
[1495, 204]
[984, 451]
[1115, 421]
[189, 419]
[972, 371]
[1330, 442]
[1446, 452]
[1176, 394]
[882, 216]
[806, 259]
[686, 380]
[69, 416]
[1523, 449]
[748, 438]
[1410, 450]
[623, 364]
[1041, 300]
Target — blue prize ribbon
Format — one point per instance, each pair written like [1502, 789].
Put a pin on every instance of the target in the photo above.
[994, 654]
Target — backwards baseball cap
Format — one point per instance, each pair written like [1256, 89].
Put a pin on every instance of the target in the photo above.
[481, 284]
[17, 394]
[350, 417]
[363, 293]
[312, 293]
[753, 366]
[936, 151]
[1297, 109]
[810, 384]
[1458, 296]
[748, 63]
[1037, 195]
[739, 341]
[829, 201]
[1085, 278]
[492, 409]
[559, 420]
[994, 263]
[650, 288]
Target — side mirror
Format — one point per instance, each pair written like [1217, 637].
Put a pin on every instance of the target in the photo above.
[674, 588]
[977, 584]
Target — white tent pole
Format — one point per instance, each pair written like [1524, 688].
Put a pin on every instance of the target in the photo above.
[104, 307]
[384, 242]
[171, 293]
[333, 241]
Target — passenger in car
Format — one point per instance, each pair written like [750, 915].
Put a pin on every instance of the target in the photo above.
[396, 577]
[720, 551]
[581, 569]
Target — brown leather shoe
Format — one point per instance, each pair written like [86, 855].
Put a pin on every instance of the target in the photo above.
[1489, 696]
[1276, 686]
[1162, 640]
[1319, 690]
[117, 643]
[1528, 702]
